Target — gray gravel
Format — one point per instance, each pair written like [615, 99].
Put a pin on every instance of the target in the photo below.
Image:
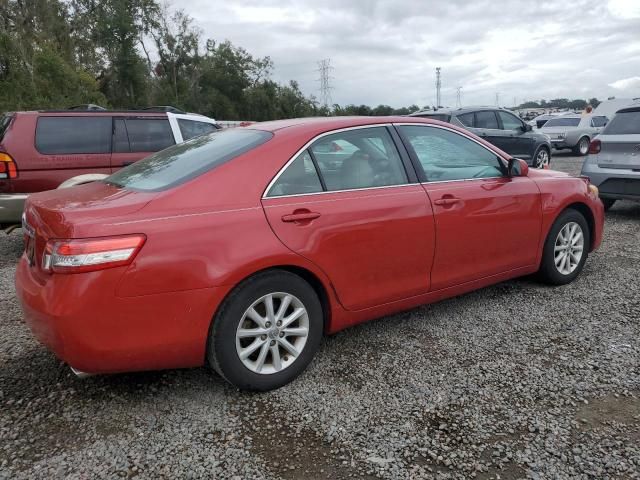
[517, 380]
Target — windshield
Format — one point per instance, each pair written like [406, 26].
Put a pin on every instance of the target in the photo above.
[563, 122]
[624, 123]
[187, 160]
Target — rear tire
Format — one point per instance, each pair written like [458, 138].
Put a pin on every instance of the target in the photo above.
[233, 334]
[582, 147]
[565, 249]
[608, 203]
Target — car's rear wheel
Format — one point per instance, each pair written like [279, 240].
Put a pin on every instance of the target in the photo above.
[566, 248]
[608, 202]
[266, 332]
[582, 148]
[542, 158]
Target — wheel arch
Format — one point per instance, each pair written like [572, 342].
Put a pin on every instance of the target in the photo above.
[586, 212]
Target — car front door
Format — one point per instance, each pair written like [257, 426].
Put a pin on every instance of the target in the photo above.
[357, 215]
[520, 143]
[486, 126]
[486, 222]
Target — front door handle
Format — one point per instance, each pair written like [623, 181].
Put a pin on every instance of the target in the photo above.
[447, 201]
[300, 216]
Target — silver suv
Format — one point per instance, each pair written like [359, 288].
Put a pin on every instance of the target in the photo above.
[613, 164]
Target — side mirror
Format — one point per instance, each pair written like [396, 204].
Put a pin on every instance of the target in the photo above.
[517, 168]
[526, 127]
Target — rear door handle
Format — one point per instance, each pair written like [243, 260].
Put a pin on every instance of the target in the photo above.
[447, 201]
[300, 217]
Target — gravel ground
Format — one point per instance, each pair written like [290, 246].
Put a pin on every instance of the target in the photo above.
[517, 380]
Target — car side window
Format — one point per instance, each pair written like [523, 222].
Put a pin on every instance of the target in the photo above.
[149, 134]
[445, 155]
[598, 121]
[193, 128]
[73, 135]
[299, 177]
[466, 119]
[120, 137]
[486, 119]
[509, 122]
[364, 158]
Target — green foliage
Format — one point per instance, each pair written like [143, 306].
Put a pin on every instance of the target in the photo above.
[133, 53]
[576, 104]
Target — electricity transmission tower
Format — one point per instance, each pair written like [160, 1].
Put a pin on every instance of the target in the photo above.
[324, 68]
[438, 85]
[497, 99]
[458, 97]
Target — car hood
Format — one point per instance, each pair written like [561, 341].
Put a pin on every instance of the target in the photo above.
[57, 213]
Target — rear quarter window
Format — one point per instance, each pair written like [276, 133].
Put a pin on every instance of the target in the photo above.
[624, 123]
[72, 135]
[188, 160]
[192, 128]
[5, 121]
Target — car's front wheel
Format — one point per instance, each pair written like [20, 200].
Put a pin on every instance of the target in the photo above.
[565, 249]
[266, 332]
[542, 158]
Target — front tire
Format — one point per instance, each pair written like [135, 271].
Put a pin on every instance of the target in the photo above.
[582, 147]
[565, 249]
[542, 158]
[266, 331]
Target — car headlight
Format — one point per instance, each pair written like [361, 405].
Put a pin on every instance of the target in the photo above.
[593, 190]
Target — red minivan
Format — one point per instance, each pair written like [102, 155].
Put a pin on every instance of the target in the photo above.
[44, 150]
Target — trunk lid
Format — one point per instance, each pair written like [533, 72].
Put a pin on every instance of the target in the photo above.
[59, 213]
[619, 151]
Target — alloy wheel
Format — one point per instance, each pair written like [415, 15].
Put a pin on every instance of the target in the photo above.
[272, 333]
[569, 248]
[542, 158]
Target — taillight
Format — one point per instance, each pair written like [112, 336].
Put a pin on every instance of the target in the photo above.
[87, 255]
[8, 168]
[595, 146]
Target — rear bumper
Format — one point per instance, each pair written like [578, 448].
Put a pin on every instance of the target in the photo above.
[616, 183]
[11, 207]
[81, 320]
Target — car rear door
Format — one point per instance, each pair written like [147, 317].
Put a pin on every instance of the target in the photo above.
[136, 137]
[359, 215]
[518, 144]
[486, 223]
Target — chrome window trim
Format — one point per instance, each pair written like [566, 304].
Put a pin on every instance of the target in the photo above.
[373, 125]
[307, 145]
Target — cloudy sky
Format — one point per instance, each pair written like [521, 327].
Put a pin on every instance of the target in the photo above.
[385, 51]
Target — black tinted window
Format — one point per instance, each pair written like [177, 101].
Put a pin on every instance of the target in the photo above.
[149, 134]
[466, 119]
[299, 177]
[486, 120]
[120, 137]
[187, 160]
[68, 135]
[192, 128]
[5, 120]
[625, 123]
[599, 121]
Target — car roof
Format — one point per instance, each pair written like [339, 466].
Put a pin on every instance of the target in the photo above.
[459, 111]
[321, 124]
[92, 113]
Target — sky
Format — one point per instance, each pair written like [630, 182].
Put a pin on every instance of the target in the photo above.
[386, 51]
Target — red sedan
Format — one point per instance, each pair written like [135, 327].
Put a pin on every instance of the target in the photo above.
[242, 248]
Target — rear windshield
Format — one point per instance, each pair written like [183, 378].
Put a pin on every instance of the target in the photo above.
[5, 120]
[187, 160]
[563, 122]
[625, 123]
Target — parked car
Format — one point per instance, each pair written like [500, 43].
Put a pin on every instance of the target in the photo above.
[52, 149]
[574, 131]
[500, 127]
[540, 120]
[613, 163]
[240, 249]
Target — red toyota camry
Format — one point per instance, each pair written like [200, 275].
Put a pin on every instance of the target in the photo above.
[240, 249]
